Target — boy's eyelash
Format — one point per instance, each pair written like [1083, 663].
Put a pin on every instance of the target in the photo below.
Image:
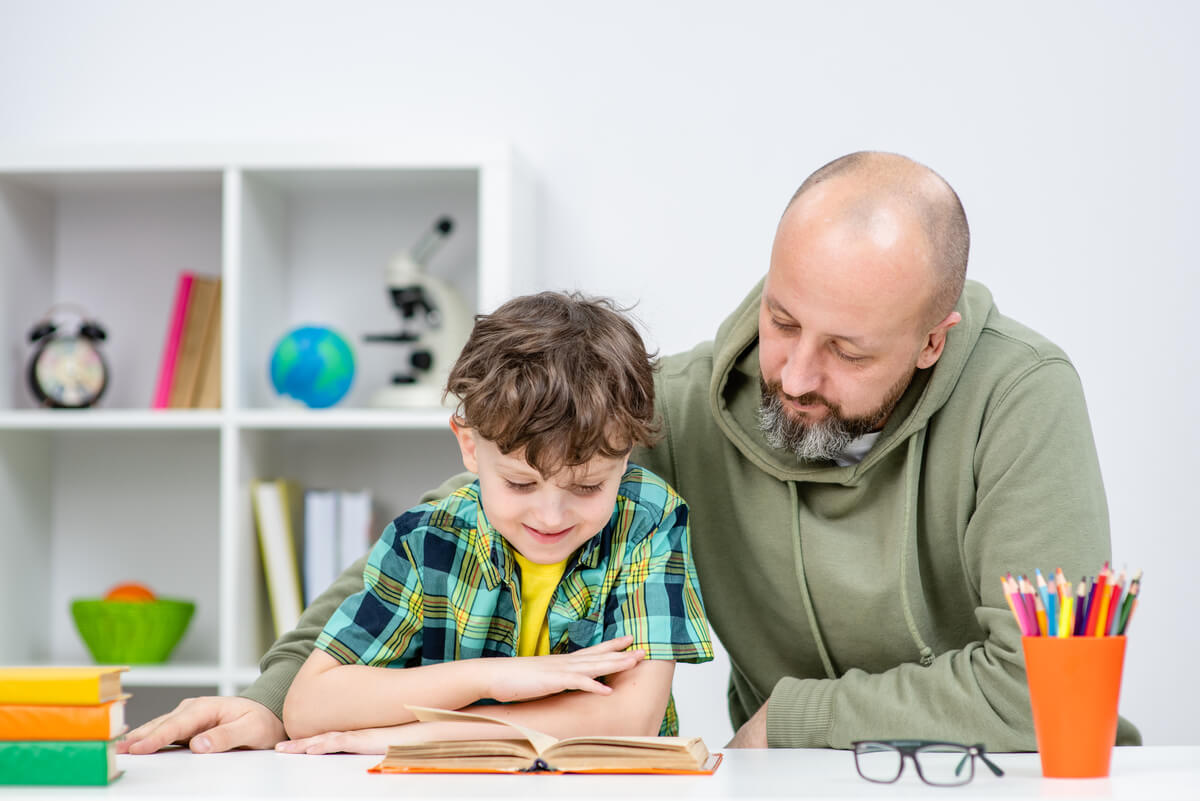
[516, 486]
[589, 488]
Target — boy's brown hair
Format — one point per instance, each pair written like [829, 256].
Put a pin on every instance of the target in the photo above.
[564, 376]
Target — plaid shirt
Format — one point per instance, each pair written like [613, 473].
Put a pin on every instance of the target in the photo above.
[441, 584]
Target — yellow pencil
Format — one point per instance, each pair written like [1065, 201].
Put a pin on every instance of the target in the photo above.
[1043, 629]
[1102, 616]
[1068, 615]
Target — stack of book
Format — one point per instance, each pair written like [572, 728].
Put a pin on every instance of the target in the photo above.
[60, 725]
[189, 376]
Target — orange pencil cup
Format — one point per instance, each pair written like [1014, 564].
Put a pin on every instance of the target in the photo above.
[1074, 686]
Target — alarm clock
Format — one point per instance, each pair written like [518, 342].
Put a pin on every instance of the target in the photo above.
[66, 368]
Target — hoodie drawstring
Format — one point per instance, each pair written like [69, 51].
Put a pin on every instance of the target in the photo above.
[912, 461]
[804, 594]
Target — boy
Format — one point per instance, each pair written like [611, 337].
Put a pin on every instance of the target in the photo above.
[533, 581]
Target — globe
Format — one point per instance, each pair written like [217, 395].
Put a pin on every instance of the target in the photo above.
[314, 365]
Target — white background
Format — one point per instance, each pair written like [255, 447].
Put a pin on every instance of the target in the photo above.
[667, 136]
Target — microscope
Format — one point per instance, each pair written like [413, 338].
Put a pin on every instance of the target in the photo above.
[434, 325]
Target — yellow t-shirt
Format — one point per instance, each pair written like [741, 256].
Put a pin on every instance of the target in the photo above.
[538, 583]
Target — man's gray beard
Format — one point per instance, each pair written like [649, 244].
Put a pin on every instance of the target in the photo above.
[824, 440]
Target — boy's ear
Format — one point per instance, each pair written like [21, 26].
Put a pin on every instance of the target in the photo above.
[466, 444]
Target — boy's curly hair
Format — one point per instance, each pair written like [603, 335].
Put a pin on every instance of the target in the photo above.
[564, 376]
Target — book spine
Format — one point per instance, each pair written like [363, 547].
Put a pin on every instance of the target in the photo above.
[50, 691]
[32, 722]
[56, 763]
[166, 372]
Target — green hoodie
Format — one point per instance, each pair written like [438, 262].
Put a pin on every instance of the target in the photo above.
[864, 602]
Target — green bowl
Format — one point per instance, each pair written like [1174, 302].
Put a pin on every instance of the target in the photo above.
[131, 632]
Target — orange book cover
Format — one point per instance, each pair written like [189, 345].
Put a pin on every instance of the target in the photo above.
[57, 722]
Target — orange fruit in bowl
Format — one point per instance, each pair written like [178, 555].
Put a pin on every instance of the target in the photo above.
[130, 591]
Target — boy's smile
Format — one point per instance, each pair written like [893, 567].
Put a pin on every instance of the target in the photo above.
[544, 519]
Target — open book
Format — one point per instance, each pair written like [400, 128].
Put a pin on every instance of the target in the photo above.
[532, 751]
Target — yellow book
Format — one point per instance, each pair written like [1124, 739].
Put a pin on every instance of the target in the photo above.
[190, 357]
[60, 685]
[279, 515]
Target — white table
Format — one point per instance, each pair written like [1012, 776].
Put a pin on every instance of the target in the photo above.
[1137, 773]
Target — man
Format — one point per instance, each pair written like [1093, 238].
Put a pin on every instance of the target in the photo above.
[867, 446]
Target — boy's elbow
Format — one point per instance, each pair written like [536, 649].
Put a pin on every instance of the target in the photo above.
[298, 720]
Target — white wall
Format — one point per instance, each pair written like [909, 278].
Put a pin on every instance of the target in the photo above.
[667, 136]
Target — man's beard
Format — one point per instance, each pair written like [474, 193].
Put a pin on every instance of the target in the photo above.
[820, 440]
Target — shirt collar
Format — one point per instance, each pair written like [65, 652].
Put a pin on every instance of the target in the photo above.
[494, 553]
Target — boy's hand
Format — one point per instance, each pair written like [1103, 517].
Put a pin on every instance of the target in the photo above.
[529, 677]
[207, 725]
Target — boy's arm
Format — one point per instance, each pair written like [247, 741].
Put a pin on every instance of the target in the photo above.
[330, 696]
[634, 707]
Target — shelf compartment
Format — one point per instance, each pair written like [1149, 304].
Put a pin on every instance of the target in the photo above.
[113, 242]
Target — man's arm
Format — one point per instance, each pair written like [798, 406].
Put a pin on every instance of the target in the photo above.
[1039, 501]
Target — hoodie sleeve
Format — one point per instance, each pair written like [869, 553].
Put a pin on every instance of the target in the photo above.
[1039, 502]
[282, 662]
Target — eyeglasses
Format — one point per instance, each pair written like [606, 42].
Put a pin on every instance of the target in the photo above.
[937, 763]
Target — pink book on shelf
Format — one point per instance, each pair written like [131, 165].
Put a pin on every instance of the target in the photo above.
[166, 371]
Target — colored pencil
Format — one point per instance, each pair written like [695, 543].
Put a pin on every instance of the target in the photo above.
[1094, 598]
[1114, 605]
[1102, 614]
[1008, 596]
[1081, 596]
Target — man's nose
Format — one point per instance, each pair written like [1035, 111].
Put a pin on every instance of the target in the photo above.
[802, 371]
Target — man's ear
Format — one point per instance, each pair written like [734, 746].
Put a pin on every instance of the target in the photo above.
[935, 341]
[466, 444]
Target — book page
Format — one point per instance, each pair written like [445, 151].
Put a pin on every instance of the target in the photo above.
[539, 740]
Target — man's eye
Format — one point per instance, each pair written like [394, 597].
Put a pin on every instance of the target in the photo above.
[846, 357]
[513, 485]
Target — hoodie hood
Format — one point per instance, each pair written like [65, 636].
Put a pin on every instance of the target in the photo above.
[735, 408]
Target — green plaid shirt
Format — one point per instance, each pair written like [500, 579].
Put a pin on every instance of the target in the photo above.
[441, 584]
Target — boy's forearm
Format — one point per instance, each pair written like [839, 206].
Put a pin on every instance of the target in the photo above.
[344, 697]
[635, 707]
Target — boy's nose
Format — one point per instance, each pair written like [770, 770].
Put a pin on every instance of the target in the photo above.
[550, 516]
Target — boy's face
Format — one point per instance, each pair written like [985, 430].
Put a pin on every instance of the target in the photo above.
[546, 520]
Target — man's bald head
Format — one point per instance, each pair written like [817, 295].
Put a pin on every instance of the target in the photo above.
[879, 189]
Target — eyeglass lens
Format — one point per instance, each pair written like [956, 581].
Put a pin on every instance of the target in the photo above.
[878, 762]
[945, 764]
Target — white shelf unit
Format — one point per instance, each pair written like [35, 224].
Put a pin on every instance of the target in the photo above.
[298, 234]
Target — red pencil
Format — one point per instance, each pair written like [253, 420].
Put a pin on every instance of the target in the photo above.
[1094, 600]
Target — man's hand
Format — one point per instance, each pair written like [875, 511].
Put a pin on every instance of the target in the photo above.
[207, 725]
[753, 733]
[530, 677]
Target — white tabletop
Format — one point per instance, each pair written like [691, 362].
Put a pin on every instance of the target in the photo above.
[1137, 773]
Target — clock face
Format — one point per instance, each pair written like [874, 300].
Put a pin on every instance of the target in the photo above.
[69, 372]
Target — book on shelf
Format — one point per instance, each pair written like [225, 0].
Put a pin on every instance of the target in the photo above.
[60, 685]
[278, 510]
[58, 762]
[320, 541]
[193, 331]
[63, 722]
[354, 527]
[208, 385]
[337, 531]
[530, 751]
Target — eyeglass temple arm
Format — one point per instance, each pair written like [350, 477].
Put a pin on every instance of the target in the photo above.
[991, 765]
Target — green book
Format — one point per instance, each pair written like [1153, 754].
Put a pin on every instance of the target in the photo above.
[58, 762]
